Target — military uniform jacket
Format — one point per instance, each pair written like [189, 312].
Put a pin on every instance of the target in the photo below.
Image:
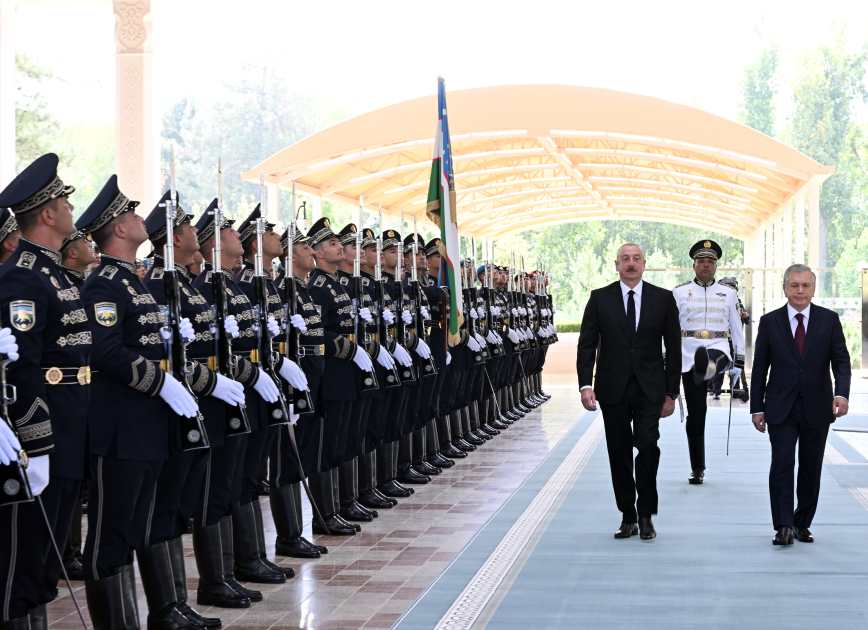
[435, 295]
[408, 293]
[311, 342]
[203, 380]
[127, 418]
[369, 300]
[50, 323]
[246, 372]
[275, 301]
[75, 277]
[335, 306]
[708, 313]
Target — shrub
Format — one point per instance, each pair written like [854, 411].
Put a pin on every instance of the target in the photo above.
[567, 327]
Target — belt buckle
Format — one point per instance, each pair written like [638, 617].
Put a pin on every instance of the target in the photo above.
[701, 334]
[321, 348]
[54, 376]
[83, 375]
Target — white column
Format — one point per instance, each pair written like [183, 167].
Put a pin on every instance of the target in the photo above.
[788, 235]
[799, 254]
[272, 212]
[768, 283]
[137, 146]
[316, 209]
[814, 223]
[7, 92]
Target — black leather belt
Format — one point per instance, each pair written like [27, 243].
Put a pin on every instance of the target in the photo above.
[67, 375]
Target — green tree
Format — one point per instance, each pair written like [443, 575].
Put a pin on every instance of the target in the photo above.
[37, 129]
[759, 88]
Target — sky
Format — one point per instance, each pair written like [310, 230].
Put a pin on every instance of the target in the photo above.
[370, 54]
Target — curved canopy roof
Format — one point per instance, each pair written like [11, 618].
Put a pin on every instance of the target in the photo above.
[526, 156]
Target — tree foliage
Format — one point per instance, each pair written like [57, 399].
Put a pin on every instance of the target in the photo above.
[758, 90]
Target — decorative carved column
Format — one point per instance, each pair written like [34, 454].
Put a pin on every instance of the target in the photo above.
[137, 146]
[7, 92]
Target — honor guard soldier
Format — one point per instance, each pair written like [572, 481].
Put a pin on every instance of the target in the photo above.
[9, 234]
[51, 376]
[712, 342]
[342, 386]
[181, 477]
[224, 531]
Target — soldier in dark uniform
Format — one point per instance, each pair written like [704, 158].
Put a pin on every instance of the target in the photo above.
[215, 539]
[343, 386]
[249, 519]
[495, 364]
[180, 480]
[128, 422]
[51, 376]
[9, 234]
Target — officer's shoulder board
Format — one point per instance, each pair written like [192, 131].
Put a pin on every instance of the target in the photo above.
[683, 284]
[26, 260]
[158, 273]
[108, 271]
[207, 277]
[320, 280]
[247, 276]
[727, 285]
[365, 281]
[345, 281]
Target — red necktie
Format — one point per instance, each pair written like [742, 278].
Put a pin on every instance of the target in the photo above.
[800, 333]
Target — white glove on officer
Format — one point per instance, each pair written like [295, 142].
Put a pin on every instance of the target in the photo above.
[734, 373]
[513, 336]
[402, 356]
[407, 317]
[9, 444]
[522, 310]
[265, 387]
[177, 397]
[479, 340]
[389, 316]
[492, 337]
[229, 391]
[292, 374]
[515, 312]
[363, 360]
[473, 344]
[187, 332]
[423, 350]
[297, 322]
[385, 359]
[230, 327]
[8, 344]
[273, 326]
[474, 314]
[365, 314]
[495, 310]
[448, 357]
[37, 474]
[425, 312]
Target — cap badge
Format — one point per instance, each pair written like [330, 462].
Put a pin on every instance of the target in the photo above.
[707, 244]
[326, 222]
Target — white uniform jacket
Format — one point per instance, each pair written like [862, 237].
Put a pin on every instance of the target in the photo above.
[709, 316]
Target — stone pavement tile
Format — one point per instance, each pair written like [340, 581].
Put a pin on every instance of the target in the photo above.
[382, 620]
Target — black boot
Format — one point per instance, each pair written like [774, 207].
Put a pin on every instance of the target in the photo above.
[516, 398]
[420, 464]
[227, 546]
[105, 603]
[39, 617]
[368, 495]
[406, 473]
[283, 511]
[249, 566]
[22, 623]
[179, 575]
[481, 409]
[475, 424]
[336, 497]
[386, 482]
[213, 590]
[493, 415]
[350, 510]
[72, 552]
[447, 448]
[458, 433]
[296, 499]
[506, 416]
[155, 568]
[432, 440]
[696, 447]
[321, 488]
[289, 572]
[466, 430]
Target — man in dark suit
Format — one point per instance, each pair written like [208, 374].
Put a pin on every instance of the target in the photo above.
[627, 320]
[799, 342]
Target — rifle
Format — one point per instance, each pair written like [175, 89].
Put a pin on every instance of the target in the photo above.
[512, 302]
[484, 353]
[528, 323]
[237, 422]
[488, 299]
[301, 399]
[401, 333]
[193, 434]
[393, 379]
[13, 477]
[360, 336]
[265, 356]
[428, 367]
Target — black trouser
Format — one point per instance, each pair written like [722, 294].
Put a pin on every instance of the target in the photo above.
[214, 498]
[357, 428]
[177, 492]
[396, 404]
[420, 415]
[333, 433]
[120, 506]
[29, 568]
[633, 422]
[434, 404]
[377, 421]
[284, 468]
[696, 399]
[254, 451]
[812, 445]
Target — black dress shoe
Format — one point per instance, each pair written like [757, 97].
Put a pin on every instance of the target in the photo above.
[74, 570]
[198, 621]
[482, 435]
[784, 536]
[510, 416]
[646, 528]
[320, 548]
[462, 445]
[441, 462]
[335, 527]
[803, 534]
[697, 476]
[502, 418]
[383, 497]
[391, 488]
[449, 450]
[522, 408]
[340, 519]
[294, 548]
[371, 499]
[472, 439]
[497, 424]
[425, 468]
[350, 511]
[627, 529]
[412, 477]
[489, 430]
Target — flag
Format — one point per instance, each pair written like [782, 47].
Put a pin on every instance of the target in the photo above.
[442, 211]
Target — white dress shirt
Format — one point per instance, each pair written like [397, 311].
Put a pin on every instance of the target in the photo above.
[794, 323]
[637, 298]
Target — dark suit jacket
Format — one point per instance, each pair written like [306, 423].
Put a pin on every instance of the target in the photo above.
[775, 350]
[605, 323]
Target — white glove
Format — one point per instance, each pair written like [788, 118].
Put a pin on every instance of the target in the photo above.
[513, 336]
[424, 312]
[230, 327]
[423, 350]
[8, 344]
[448, 357]
[405, 315]
[479, 340]
[273, 326]
[473, 344]
[522, 310]
[495, 310]
[265, 387]
[9, 444]
[515, 312]
[229, 391]
[177, 397]
[292, 374]
[37, 474]
[474, 314]
[492, 337]
[385, 359]
[365, 314]
[187, 332]
[293, 417]
[165, 333]
[734, 373]
[297, 322]
[363, 360]
[389, 316]
[402, 356]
